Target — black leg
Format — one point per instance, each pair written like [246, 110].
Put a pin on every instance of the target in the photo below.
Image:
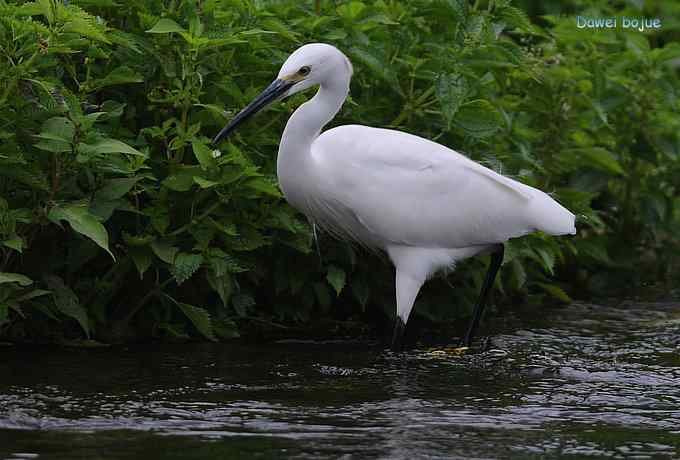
[398, 336]
[496, 260]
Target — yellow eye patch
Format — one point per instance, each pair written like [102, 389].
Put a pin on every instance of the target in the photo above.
[299, 75]
[296, 77]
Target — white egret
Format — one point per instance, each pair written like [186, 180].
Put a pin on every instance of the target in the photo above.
[425, 205]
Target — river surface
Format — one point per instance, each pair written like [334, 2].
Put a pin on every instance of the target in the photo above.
[580, 382]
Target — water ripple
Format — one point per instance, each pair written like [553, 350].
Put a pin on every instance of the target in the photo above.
[589, 382]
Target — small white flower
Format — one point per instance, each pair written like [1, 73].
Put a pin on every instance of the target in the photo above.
[216, 153]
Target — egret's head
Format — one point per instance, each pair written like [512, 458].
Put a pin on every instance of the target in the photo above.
[311, 65]
[308, 66]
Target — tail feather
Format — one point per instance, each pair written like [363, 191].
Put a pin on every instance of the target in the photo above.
[551, 217]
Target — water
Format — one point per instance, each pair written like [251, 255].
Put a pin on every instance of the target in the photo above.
[585, 382]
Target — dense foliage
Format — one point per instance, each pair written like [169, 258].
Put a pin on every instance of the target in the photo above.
[118, 221]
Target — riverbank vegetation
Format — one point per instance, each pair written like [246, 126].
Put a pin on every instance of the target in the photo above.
[119, 222]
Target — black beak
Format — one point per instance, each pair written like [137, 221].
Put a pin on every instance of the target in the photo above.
[277, 89]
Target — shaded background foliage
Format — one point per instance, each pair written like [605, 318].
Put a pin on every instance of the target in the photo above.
[119, 222]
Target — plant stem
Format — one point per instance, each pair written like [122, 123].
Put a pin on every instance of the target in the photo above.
[153, 292]
[56, 171]
[203, 215]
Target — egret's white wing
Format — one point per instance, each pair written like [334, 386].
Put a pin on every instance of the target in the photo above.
[403, 189]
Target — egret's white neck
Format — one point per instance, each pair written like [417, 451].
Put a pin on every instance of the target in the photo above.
[304, 126]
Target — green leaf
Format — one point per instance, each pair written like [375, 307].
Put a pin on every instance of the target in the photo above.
[107, 145]
[142, 258]
[22, 280]
[516, 18]
[32, 295]
[53, 146]
[475, 25]
[221, 284]
[185, 265]
[595, 248]
[17, 308]
[199, 317]
[81, 221]
[158, 215]
[360, 290]
[30, 9]
[119, 76]
[102, 210]
[322, 296]
[263, 185]
[225, 329]
[555, 291]
[336, 278]
[669, 52]
[165, 26]
[478, 118]
[458, 8]
[56, 135]
[241, 303]
[546, 257]
[86, 26]
[174, 330]
[595, 157]
[283, 218]
[43, 308]
[203, 154]
[226, 228]
[139, 240]
[182, 179]
[67, 302]
[280, 28]
[178, 182]
[351, 10]
[14, 242]
[59, 129]
[217, 111]
[638, 43]
[204, 183]
[451, 91]
[26, 176]
[48, 8]
[116, 188]
[231, 174]
[164, 251]
[518, 273]
[378, 66]
[222, 263]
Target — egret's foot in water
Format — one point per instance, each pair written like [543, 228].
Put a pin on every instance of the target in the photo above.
[486, 344]
[457, 350]
[398, 335]
[447, 352]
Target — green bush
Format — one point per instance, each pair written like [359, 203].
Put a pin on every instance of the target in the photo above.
[119, 222]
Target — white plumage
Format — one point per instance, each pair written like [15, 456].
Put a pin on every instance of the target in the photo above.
[424, 204]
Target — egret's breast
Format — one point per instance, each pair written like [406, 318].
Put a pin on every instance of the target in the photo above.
[295, 192]
[324, 208]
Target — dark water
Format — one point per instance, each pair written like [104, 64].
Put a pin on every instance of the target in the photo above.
[586, 382]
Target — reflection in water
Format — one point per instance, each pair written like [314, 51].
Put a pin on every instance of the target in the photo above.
[592, 382]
